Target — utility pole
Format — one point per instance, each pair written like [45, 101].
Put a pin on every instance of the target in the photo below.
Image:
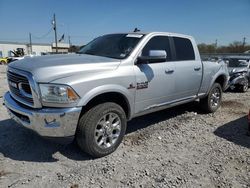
[30, 43]
[215, 45]
[54, 27]
[69, 41]
[244, 42]
[69, 44]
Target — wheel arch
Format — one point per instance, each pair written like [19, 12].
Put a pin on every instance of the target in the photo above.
[222, 80]
[120, 96]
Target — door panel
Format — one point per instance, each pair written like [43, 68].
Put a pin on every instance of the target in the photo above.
[188, 78]
[159, 85]
[188, 69]
[155, 81]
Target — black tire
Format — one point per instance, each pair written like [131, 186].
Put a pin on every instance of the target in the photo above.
[86, 135]
[244, 88]
[208, 104]
[2, 62]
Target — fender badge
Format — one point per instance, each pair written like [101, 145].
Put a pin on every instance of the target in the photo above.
[131, 86]
[142, 85]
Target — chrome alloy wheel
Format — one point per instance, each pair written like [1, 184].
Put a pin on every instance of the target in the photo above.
[245, 86]
[215, 97]
[108, 130]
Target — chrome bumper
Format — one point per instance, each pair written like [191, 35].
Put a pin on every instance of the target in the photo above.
[48, 122]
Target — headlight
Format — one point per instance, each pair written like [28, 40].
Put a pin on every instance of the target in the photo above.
[55, 93]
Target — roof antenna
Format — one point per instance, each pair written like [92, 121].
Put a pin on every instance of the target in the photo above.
[137, 30]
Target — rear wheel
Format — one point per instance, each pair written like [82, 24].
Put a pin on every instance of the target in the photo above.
[243, 88]
[101, 129]
[2, 62]
[213, 101]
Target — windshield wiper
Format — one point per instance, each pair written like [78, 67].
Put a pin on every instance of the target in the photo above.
[101, 55]
[89, 53]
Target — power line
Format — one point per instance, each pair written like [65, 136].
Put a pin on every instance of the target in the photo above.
[43, 36]
[82, 36]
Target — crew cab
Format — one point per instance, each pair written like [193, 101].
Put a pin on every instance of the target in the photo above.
[91, 95]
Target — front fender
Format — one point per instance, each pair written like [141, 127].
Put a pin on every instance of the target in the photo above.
[106, 89]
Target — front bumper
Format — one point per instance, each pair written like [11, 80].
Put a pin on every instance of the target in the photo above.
[47, 122]
[240, 80]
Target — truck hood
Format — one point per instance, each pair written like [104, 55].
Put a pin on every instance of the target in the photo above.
[233, 70]
[52, 67]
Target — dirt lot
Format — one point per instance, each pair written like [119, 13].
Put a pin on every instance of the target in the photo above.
[178, 147]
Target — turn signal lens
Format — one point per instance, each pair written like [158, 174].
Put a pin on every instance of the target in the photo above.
[71, 94]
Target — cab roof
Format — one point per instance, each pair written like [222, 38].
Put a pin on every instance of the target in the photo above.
[157, 33]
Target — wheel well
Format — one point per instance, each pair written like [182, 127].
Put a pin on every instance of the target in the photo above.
[221, 80]
[115, 97]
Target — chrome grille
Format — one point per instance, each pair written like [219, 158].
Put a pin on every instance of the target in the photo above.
[15, 82]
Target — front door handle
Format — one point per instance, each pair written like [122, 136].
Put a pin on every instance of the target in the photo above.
[169, 71]
[197, 68]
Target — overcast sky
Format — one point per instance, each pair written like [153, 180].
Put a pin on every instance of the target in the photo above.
[206, 20]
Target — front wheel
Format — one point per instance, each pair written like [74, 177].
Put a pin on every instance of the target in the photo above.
[213, 101]
[101, 129]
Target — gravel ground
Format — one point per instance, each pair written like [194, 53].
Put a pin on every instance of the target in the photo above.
[178, 147]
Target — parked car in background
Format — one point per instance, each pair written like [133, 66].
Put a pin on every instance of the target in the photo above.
[239, 71]
[91, 95]
[5, 60]
[247, 52]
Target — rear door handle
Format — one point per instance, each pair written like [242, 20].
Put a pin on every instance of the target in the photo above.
[169, 71]
[197, 68]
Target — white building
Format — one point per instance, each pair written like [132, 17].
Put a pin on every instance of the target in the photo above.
[37, 48]
[61, 47]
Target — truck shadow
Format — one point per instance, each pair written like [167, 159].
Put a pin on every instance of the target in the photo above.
[22, 144]
[156, 117]
[235, 131]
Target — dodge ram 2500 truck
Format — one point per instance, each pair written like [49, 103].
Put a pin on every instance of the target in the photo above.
[91, 95]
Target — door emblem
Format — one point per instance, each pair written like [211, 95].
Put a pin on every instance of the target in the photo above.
[131, 86]
[142, 85]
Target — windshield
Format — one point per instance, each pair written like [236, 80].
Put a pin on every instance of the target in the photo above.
[118, 46]
[237, 62]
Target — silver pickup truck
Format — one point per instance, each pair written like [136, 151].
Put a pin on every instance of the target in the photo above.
[91, 95]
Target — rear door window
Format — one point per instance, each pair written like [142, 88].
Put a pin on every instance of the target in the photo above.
[184, 49]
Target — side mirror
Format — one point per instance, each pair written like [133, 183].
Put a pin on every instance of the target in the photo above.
[154, 56]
